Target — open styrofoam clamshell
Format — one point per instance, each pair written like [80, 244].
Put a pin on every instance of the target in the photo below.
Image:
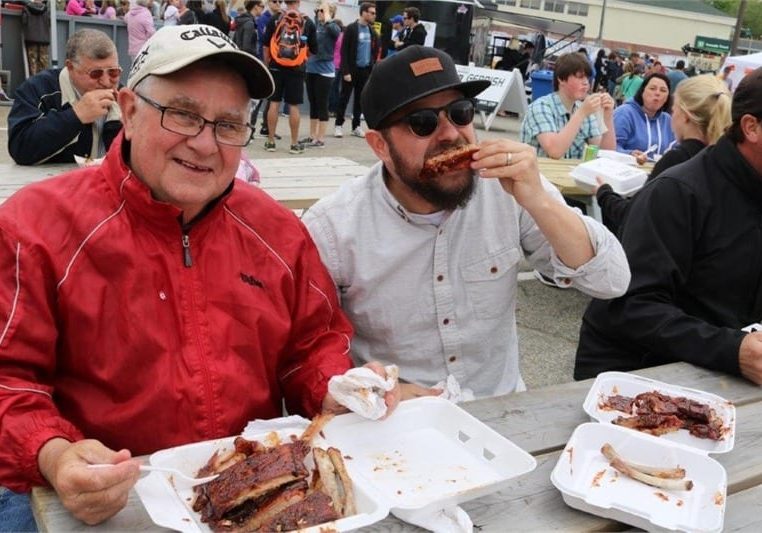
[612, 383]
[428, 455]
[588, 483]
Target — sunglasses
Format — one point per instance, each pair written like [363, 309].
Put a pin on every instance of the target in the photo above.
[424, 122]
[97, 73]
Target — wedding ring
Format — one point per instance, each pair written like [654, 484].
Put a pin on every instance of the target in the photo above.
[508, 158]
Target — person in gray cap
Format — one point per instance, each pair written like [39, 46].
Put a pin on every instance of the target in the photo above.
[154, 300]
[693, 239]
[427, 266]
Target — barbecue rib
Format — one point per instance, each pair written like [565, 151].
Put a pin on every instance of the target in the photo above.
[253, 515]
[252, 478]
[315, 508]
[657, 413]
[456, 158]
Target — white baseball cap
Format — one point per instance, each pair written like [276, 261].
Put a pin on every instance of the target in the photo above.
[175, 47]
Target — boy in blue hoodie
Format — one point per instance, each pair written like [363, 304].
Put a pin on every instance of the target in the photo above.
[558, 125]
[643, 124]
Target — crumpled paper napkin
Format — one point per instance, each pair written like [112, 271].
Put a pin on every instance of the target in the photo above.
[450, 520]
[451, 390]
[362, 391]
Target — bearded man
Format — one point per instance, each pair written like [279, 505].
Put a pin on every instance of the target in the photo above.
[427, 267]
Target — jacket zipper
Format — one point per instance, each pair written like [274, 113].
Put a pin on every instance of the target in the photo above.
[186, 251]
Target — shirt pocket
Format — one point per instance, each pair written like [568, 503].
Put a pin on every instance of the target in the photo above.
[488, 286]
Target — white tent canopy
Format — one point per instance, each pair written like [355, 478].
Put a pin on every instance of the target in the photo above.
[743, 65]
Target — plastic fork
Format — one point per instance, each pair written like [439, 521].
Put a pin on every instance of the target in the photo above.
[179, 477]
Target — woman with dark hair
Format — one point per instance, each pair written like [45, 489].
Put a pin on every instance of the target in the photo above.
[643, 125]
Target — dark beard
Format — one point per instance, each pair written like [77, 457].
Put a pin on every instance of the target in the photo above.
[430, 190]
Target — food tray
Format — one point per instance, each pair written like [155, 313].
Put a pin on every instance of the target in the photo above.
[608, 383]
[429, 454]
[624, 179]
[588, 483]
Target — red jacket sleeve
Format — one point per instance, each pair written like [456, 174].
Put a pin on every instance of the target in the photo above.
[28, 335]
[320, 336]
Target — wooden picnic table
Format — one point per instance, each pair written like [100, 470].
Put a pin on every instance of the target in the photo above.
[296, 182]
[540, 421]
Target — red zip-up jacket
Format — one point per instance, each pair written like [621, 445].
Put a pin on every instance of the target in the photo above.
[113, 326]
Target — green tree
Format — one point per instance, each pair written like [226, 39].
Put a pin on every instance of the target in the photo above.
[752, 18]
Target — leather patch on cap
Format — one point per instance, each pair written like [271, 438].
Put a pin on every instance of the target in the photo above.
[425, 66]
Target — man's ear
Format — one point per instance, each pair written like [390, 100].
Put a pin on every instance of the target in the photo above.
[378, 144]
[750, 126]
[128, 105]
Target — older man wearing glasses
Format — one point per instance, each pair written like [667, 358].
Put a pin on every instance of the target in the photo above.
[426, 264]
[154, 300]
[60, 113]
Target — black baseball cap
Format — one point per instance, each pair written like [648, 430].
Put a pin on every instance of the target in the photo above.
[409, 75]
[747, 98]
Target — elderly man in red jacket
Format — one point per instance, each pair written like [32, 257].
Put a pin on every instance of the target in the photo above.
[154, 300]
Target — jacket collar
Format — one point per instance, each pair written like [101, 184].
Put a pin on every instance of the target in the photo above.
[736, 169]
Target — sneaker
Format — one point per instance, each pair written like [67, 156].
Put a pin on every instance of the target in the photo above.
[306, 141]
[263, 130]
[316, 144]
[357, 132]
[296, 149]
[338, 132]
[270, 146]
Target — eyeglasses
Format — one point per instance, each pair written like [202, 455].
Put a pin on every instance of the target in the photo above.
[424, 122]
[191, 124]
[97, 73]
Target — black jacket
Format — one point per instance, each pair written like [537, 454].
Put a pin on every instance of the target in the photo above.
[349, 48]
[415, 36]
[614, 207]
[246, 36]
[694, 241]
[41, 129]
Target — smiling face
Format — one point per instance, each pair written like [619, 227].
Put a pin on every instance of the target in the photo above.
[187, 172]
[655, 95]
[403, 154]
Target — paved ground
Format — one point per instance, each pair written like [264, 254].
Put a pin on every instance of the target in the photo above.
[548, 318]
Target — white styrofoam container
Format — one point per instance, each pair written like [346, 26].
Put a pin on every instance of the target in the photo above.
[429, 454]
[588, 483]
[624, 179]
[620, 157]
[610, 383]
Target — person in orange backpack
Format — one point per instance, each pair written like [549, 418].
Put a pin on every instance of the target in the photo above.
[288, 39]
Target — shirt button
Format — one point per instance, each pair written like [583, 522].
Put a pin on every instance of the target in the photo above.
[441, 231]
[493, 270]
[452, 359]
[162, 295]
[440, 277]
[446, 321]
[565, 281]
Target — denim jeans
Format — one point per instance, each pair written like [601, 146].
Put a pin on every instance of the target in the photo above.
[15, 512]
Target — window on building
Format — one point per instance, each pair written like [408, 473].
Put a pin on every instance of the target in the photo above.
[576, 8]
[555, 6]
[507, 2]
[531, 4]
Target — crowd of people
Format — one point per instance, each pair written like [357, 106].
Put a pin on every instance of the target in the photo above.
[156, 286]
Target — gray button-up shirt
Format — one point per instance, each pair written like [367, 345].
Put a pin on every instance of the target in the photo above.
[439, 300]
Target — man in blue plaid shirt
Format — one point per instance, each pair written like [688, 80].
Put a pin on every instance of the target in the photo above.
[558, 125]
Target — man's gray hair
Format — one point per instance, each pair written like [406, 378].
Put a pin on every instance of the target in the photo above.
[92, 44]
[143, 3]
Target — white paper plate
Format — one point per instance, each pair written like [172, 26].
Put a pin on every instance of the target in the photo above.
[429, 454]
[588, 483]
[610, 383]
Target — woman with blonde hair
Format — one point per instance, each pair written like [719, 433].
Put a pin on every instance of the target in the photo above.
[700, 116]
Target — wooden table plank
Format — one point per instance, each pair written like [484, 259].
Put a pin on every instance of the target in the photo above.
[744, 511]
